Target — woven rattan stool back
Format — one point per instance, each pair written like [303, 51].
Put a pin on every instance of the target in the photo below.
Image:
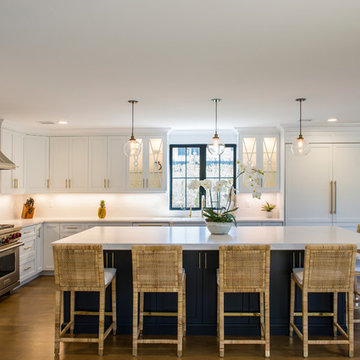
[79, 267]
[157, 268]
[329, 268]
[244, 268]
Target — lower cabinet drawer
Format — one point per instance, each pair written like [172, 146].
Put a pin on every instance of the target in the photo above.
[27, 269]
[28, 249]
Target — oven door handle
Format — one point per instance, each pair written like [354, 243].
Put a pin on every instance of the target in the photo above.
[13, 246]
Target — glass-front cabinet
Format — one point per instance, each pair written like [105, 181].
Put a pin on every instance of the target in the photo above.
[147, 171]
[261, 151]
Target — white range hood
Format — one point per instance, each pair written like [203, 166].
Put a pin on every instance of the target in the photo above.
[5, 162]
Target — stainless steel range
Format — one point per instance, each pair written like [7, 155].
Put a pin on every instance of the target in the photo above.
[9, 257]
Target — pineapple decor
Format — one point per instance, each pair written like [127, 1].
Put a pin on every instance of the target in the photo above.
[102, 210]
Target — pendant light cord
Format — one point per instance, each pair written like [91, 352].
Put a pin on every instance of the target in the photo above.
[216, 100]
[132, 119]
[300, 109]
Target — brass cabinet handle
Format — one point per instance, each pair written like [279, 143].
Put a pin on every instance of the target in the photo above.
[143, 183]
[27, 232]
[112, 259]
[331, 197]
[72, 227]
[105, 183]
[335, 196]
[205, 260]
[66, 183]
[147, 183]
[16, 183]
[108, 183]
[27, 248]
[199, 261]
[39, 232]
[69, 183]
[106, 260]
[48, 183]
[27, 268]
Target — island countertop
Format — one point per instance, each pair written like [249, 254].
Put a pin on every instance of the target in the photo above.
[199, 238]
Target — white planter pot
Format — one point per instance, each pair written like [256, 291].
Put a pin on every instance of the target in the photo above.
[269, 214]
[218, 228]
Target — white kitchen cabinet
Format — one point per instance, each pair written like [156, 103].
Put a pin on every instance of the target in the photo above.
[51, 234]
[107, 164]
[346, 182]
[116, 164]
[98, 163]
[12, 145]
[308, 191]
[36, 164]
[69, 161]
[261, 151]
[39, 247]
[147, 172]
[321, 188]
[28, 255]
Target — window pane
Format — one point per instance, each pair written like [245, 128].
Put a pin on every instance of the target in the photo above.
[193, 162]
[178, 193]
[220, 168]
[178, 162]
[227, 163]
[193, 198]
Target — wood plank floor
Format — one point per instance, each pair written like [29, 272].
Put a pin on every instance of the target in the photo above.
[27, 333]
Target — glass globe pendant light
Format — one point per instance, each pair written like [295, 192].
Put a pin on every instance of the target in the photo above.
[300, 146]
[215, 147]
[132, 147]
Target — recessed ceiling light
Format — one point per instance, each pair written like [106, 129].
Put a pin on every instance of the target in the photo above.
[62, 122]
[332, 120]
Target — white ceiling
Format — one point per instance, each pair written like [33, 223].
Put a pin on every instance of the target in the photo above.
[82, 60]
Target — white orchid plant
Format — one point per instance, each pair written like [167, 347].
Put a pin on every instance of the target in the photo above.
[252, 178]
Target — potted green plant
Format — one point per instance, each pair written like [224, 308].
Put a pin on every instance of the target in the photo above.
[219, 220]
[268, 208]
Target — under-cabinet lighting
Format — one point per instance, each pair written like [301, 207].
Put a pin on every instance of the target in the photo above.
[332, 120]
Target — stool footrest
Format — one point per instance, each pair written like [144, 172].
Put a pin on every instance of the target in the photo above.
[159, 313]
[91, 313]
[249, 342]
[315, 314]
[157, 341]
[242, 314]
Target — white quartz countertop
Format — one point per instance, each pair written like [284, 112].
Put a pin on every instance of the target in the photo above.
[199, 238]
[109, 220]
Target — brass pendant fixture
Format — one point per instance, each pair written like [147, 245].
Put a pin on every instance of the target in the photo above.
[300, 146]
[132, 147]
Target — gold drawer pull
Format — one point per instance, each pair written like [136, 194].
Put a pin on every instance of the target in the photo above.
[27, 268]
[28, 247]
[28, 232]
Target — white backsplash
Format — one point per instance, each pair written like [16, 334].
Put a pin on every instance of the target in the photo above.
[118, 205]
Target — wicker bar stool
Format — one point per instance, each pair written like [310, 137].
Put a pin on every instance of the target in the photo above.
[327, 269]
[245, 269]
[81, 268]
[158, 269]
[357, 274]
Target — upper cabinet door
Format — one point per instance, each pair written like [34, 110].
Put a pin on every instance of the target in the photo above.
[262, 152]
[116, 164]
[308, 186]
[98, 163]
[18, 159]
[156, 167]
[36, 153]
[346, 177]
[136, 174]
[147, 172]
[79, 164]
[59, 163]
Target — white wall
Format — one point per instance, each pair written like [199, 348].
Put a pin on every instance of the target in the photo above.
[10, 207]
